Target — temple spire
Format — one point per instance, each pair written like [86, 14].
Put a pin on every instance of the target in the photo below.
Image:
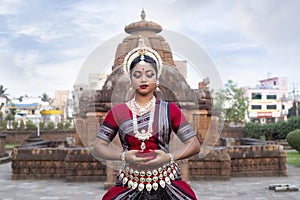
[143, 25]
[143, 14]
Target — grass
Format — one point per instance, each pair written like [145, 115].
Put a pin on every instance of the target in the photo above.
[293, 158]
[11, 146]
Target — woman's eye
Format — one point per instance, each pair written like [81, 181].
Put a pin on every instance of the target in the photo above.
[150, 74]
[137, 75]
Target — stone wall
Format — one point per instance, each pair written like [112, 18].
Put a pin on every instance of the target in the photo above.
[214, 166]
[221, 163]
[77, 164]
[71, 164]
[257, 160]
[232, 132]
[19, 137]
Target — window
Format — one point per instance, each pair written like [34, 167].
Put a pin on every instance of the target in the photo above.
[256, 95]
[271, 107]
[256, 107]
[271, 96]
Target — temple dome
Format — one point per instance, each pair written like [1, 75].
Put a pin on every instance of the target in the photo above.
[143, 25]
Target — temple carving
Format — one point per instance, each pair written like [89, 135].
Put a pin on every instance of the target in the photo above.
[173, 86]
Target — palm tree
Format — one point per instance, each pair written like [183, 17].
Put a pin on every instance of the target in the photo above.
[3, 94]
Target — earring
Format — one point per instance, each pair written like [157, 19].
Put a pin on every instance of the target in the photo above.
[157, 84]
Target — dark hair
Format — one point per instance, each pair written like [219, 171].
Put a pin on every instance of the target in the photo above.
[147, 59]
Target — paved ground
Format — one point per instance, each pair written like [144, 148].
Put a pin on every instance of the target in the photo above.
[248, 188]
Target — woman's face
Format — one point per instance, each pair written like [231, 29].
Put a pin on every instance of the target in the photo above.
[143, 78]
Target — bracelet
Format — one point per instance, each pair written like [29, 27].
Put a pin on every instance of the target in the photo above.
[123, 156]
[171, 158]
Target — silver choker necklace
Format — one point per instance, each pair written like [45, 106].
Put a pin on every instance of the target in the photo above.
[143, 109]
[143, 135]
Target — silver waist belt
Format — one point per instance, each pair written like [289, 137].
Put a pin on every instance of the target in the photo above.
[150, 179]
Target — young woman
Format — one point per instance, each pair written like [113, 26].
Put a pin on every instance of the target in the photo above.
[144, 125]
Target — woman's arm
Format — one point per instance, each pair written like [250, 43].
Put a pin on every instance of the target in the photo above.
[191, 147]
[102, 151]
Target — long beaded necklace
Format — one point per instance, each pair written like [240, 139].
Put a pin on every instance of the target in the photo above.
[143, 135]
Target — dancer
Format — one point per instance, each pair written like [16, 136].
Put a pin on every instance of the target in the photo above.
[144, 124]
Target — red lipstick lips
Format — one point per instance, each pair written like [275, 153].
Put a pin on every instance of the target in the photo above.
[143, 86]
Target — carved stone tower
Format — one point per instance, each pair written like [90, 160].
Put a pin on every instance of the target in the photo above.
[173, 86]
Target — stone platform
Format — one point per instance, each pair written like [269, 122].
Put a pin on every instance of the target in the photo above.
[245, 188]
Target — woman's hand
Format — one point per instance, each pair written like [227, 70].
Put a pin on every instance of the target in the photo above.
[135, 157]
[158, 159]
[150, 159]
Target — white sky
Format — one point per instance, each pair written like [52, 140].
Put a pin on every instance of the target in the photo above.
[43, 44]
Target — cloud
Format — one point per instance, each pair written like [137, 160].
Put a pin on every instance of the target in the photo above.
[9, 7]
[272, 24]
[45, 42]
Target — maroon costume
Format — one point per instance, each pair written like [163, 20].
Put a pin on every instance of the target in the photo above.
[167, 118]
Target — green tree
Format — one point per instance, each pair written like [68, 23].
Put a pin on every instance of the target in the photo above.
[22, 125]
[3, 94]
[232, 101]
[3, 124]
[10, 117]
[45, 97]
[294, 110]
[67, 126]
[30, 125]
[60, 125]
[15, 125]
[51, 125]
[20, 98]
[293, 138]
[42, 125]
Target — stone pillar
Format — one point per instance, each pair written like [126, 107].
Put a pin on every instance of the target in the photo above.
[80, 124]
[110, 178]
[92, 126]
[203, 124]
[184, 169]
[4, 157]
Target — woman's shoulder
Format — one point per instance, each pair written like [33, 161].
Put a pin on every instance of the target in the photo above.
[119, 112]
[119, 106]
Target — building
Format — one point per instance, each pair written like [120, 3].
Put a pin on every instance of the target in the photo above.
[78, 90]
[268, 102]
[26, 109]
[64, 103]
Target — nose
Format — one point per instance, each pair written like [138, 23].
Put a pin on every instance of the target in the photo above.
[144, 78]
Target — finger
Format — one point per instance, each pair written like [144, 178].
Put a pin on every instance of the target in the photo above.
[132, 152]
[141, 159]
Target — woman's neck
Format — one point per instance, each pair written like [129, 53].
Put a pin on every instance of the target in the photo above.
[143, 100]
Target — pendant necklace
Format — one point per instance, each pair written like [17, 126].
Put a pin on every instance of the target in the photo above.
[143, 135]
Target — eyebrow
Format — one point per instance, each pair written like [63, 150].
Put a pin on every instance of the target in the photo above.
[149, 70]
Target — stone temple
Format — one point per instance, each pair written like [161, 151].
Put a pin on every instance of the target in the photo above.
[221, 157]
[173, 86]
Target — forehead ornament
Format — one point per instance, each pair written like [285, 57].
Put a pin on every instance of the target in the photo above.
[141, 51]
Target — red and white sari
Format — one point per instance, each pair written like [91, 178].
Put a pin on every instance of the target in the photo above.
[168, 118]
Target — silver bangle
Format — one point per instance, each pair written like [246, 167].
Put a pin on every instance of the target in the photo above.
[123, 157]
[171, 158]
